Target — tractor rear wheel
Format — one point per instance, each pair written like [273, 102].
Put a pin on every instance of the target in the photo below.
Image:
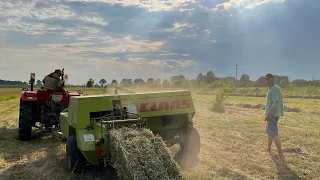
[25, 120]
[75, 160]
[191, 144]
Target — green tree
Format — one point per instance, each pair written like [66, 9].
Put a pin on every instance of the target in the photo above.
[102, 82]
[200, 77]
[157, 83]
[186, 84]
[166, 83]
[114, 82]
[210, 77]
[39, 83]
[218, 104]
[194, 83]
[177, 81]
[90, 83]
[126, 82]
[138, 81]
[260, 82]
[244, 78]
[150, 81]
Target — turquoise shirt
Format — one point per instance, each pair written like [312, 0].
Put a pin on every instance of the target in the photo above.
[274, 99]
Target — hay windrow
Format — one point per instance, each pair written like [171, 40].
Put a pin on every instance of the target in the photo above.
[139, 154]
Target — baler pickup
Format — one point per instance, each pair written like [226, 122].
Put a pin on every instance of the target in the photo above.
[127, 122]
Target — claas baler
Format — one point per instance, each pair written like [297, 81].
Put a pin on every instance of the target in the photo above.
[88, 119]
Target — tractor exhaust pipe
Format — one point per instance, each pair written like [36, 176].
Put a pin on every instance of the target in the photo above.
[32, 80]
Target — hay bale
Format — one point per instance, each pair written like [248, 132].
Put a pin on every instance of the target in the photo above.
[228, 104]
[168, 161]
[138, 154]
[245, 105]
[218, 108]
[258, 106]
[289, 109]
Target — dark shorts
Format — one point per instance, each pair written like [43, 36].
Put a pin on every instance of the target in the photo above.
[272, 126]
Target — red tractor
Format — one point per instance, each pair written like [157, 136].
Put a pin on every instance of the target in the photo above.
[41, 106]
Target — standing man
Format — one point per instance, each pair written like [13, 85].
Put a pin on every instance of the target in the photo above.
[273, 111]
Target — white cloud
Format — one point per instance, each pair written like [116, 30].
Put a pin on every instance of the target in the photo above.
[84, 33]
[106, 45]
[135, 62]
[19, 10]
[261, 2]
[150, 5]
[178, 27]
[183, 30]
[247, 4]
[15, 24]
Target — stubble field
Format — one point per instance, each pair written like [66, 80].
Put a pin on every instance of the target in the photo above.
[232, 144]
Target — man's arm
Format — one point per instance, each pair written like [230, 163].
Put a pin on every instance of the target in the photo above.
[60, 85]
[272, 110]
[275, 96]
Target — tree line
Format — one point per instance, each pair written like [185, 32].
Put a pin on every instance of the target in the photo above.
[208, 79]
[7, 82]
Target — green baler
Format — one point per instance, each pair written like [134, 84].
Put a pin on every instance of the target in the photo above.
[86, 122]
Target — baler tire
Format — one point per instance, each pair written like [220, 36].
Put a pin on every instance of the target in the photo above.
[25, 121]
[76, 162]
[191, 145]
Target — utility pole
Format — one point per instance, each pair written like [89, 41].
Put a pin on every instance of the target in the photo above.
[236, 71]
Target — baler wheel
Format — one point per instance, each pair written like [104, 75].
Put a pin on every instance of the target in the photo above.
[191, 144]
[76, 162]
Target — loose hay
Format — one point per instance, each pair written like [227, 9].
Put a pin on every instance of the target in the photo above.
[261, 106]
[139, 154]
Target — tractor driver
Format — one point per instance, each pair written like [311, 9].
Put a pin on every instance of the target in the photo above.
[52, 81]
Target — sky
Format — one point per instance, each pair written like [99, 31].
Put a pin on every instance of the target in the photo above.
[115, 39]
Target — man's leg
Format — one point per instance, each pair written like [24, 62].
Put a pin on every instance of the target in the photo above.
[278, 145]
[270, 139]
[273, 135]
[269, 133]
[277, 139]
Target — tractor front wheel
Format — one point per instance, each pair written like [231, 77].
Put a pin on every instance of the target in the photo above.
[75, 159]
[25, 120]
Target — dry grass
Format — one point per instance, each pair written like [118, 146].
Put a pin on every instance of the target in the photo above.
[233, 144]
[9, 93]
